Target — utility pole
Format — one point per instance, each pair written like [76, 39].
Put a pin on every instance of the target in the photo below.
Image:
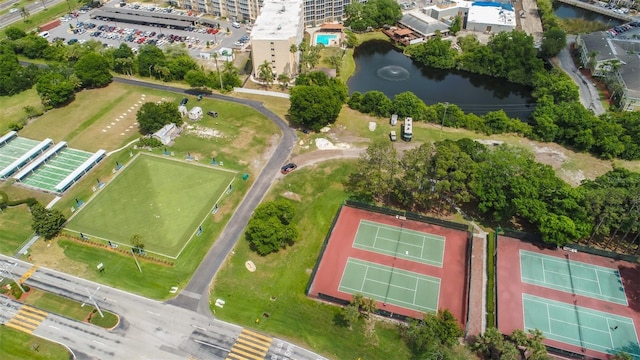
[93, 300]
[3, 268]
[446, 105]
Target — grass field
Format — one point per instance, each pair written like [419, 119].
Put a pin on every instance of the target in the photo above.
[17, 345]
[12, 107]
[162, 200]
[68, 308]
[14, 223]
[285, 275]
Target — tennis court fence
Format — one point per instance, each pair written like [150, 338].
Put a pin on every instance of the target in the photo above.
[324, 246]
[335, 300]
[407, 214]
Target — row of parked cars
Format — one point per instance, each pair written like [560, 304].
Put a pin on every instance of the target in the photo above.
[242, 40]
[617, 30]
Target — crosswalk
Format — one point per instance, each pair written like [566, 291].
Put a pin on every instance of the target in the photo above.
[28, 274]
[250, 346]
[27, 319]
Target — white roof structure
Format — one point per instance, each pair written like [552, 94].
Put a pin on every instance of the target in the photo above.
[278, 20]
[491, 14]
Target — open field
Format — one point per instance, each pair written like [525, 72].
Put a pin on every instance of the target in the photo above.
[162, 200]
[15, 224]
[13, 107]
[19, 345]
[68, 308]
[285, 275]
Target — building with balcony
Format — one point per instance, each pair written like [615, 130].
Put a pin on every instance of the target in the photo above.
[279, 25]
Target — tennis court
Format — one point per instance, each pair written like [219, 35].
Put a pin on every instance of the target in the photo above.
[572, 276]
[400, 242]
[14, 149]
[580, 326]
[391, 285]
[56, 169]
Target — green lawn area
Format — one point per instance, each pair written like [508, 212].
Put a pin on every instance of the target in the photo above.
[15, 224]
[17, 345]
[72, 309]
[12, 107]
[163, 200]
[285, 275]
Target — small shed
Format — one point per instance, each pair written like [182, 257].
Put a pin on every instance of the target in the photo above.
[183, 110]
[168, 133]
[195, 114]
[394, 119]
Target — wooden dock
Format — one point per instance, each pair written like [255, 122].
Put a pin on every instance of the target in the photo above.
[597, 9]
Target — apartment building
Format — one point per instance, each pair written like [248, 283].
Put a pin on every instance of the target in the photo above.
[279, 25]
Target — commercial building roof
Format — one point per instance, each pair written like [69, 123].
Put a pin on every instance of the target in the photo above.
[136, 19]
[492, 13]
[278, 20]
[422, 24]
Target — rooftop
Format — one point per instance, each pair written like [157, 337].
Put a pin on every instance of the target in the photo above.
[422, 23]
[492, 13]
[278, 20]
[597, 42]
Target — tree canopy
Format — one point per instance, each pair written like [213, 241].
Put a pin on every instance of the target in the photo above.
[271, 228]
[316, 100]
[46, 222]
[93, 70]
[373, 13]
[152, 117]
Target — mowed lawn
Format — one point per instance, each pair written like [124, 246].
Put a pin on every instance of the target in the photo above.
[163, 200]
[18, 345]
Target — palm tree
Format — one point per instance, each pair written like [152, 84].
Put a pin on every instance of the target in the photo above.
[592, 60]
[24, 12]
[336, 62]
[215, 58]
[265, 73]
[284, 79]
[136, 241]
[293, 49]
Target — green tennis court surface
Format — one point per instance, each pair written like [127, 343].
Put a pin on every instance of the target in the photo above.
[572, 276]
[399, 242]
[391, 285]
[56, 169]
[579, 326]
[14, 149]
[160, 199]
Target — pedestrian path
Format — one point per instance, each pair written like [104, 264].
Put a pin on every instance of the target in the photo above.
[250, 346]
[27, 319]
[28, 274]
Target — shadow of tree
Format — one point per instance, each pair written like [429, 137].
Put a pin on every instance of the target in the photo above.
[339, 320]
[630, 275]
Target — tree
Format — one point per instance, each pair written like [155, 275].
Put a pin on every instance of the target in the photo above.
[148, 57]
[54, 89]
[351, 314]
[46, 222]
[335, 61]
[196, 78]
[14, 33]
[136, 241]
[435, 52]
[375, 173]
[265, 73]
[271, 228]
[553, 41]
[433, 333]
[373, 13]
[377, 103]
[456, 25]
[24, 13]
[93, 71]
[152, 117]
[314, 106]
[284, 79]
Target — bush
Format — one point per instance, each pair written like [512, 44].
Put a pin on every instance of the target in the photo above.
[491, 301]
[150, 142]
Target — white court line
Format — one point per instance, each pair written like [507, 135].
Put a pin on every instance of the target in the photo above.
[557, 286]
[396, 241]
[390, 300]
[375, 238]
[364, 278]
[396, 286]
[598, 278]
[610, 337]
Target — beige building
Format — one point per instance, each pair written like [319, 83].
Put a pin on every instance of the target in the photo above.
[236, 10]
[279, 26]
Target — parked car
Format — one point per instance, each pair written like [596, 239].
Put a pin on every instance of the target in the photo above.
[212, 113]
[288, 168]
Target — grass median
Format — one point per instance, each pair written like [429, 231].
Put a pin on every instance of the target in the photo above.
[17, 345]
[277, 287]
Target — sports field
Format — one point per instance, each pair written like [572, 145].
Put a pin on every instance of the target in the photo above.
[56, 169]
[402, 263]
[572, 276]
[14, 149]
[582, 303]
[581, 326]
[400, 242]
[161, 199]
[390, 285]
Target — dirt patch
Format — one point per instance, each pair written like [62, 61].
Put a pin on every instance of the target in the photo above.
[292, 196]
[204, 132]
[49, 254]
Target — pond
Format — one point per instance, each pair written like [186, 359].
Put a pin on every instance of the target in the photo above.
[565, 11]
[380, 66]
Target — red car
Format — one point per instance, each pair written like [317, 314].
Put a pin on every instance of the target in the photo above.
[288, 168]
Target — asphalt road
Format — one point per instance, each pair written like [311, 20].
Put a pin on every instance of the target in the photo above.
[148, 329]
[32, 8]
[589, 96]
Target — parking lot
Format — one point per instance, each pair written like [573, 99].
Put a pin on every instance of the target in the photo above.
[81, 27]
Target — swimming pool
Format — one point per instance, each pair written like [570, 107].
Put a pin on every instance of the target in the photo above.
[325, 39]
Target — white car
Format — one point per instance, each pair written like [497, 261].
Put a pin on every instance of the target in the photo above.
[13, 11]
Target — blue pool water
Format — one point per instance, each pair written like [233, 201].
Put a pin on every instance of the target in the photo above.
[325, 38]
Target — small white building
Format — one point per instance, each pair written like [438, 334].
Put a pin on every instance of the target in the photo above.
[168, 133]
[491, 17]
[183, 110]
[195, 114]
